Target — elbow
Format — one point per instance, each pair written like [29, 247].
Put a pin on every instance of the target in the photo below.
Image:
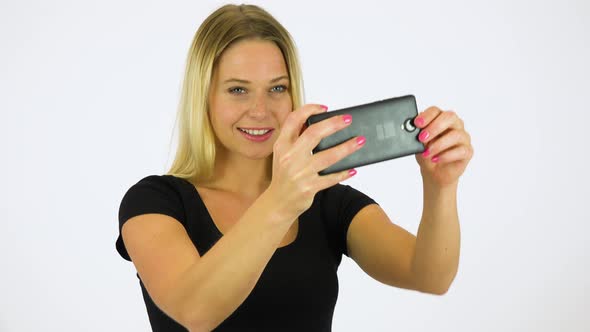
[201, 317]
[440, 290]
[436, 286]
[443, 286]
[435, 289]
[188, 315]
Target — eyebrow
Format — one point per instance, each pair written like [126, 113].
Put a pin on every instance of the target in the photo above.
[246, 81]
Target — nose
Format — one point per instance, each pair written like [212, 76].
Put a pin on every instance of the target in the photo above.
[259, 108]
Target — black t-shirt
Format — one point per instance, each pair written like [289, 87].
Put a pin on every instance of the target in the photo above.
[298, 288]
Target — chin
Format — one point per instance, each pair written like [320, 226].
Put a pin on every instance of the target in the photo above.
[258, 156]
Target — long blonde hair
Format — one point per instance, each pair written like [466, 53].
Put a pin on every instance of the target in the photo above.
[195, 154]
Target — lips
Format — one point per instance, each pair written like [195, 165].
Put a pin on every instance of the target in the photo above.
[258, 134]
[256, 128]
[255, 132]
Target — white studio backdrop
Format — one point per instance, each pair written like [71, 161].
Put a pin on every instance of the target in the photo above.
[89, 92]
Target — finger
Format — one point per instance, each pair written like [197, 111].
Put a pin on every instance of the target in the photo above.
[319, 130]
[425, 117]
[303, 129]
[293, 125]
[448, 139]
[329, 157]
[440, 124]
[455, 154]
[329, 180]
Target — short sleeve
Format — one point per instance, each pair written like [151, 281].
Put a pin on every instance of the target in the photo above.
[340, 204]
[152, 194]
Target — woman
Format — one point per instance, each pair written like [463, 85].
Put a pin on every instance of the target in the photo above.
[242, 233]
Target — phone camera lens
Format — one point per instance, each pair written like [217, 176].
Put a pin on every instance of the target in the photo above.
[409, 125]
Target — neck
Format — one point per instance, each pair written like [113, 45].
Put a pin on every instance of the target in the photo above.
[237, 174]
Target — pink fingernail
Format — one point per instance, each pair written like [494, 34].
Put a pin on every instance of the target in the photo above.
[419, 121]
[423, 136]
[426, 153]
[435, 159]
[352, 172]
[324, 107]
[347, 118]
[361, 140]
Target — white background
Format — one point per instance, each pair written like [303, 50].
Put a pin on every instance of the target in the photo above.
[89, 92]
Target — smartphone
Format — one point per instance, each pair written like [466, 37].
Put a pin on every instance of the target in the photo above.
[388, 126]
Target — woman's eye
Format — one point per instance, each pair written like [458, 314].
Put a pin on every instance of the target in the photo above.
[239, 90]
[236, 90]
[280, 88]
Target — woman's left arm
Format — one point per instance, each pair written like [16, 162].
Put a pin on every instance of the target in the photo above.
[448, 151]
[427, 262]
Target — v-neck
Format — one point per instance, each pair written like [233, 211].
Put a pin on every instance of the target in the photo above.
[204, 208]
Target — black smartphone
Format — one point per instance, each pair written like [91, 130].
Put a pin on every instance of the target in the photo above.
[388, 126]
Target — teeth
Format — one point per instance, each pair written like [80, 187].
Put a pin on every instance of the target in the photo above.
[255, 132]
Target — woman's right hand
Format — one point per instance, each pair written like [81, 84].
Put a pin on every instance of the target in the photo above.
[295, 178]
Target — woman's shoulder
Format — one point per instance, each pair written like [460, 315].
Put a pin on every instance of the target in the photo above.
[163, 181]
[156, 193]
[340, 196]
[159, 187]
[337, 191]
[160, 179]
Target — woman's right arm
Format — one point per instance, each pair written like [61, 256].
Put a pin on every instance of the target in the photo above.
[197, 291]
[200, 292]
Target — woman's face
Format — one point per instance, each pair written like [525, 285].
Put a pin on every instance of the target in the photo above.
[249, 97]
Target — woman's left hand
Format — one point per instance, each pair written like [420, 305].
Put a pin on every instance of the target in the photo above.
[448, 146]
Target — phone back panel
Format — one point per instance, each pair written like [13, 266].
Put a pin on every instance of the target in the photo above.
[382, 123]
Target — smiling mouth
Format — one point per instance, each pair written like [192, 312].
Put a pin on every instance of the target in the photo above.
[255, 132]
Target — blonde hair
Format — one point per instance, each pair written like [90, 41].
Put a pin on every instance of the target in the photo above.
[195, 154]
